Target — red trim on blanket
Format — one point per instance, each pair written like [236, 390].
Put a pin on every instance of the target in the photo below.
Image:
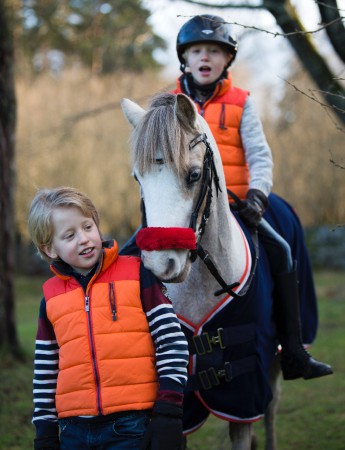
[225, 416]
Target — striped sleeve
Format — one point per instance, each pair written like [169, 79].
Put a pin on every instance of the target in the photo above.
[46, 367]
[169, 340]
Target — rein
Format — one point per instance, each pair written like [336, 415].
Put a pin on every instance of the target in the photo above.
[156, 238]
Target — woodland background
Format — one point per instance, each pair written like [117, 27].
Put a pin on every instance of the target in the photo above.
[70, 128]
[58, 144]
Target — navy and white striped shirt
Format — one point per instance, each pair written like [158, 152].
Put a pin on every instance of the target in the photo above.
[169, 341]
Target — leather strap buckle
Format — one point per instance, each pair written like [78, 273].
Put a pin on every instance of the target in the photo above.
[210, 377]
[216, 340]
[203, 343]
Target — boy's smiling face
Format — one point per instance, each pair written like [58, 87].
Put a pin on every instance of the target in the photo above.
[77, 239]
[206, 62]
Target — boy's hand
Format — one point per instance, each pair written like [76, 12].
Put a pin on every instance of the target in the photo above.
[47, 443]
[254, 207]
[165, 428]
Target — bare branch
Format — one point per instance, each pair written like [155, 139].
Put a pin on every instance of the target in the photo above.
[337, 164]
[275, 33]
[327, 107]
[224, 6]
[72, 120]
[245, 5]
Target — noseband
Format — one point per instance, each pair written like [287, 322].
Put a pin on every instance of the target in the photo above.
[158, 238]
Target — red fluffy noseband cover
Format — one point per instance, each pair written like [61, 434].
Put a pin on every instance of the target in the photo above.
[159, 238]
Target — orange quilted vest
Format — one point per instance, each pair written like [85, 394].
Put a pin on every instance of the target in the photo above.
[105, 365]
[223, 113]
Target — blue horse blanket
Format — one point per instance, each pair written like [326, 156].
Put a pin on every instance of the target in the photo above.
[231, 350]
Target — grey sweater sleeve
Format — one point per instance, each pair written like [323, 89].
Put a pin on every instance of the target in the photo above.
[257, 151]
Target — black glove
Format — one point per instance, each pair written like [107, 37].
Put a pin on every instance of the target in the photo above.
[254, 207]
[47, 443]
[165, 429]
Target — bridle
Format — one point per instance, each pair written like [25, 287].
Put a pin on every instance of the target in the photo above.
[209, 175]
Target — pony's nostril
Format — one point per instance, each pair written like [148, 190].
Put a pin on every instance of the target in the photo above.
[170, 266]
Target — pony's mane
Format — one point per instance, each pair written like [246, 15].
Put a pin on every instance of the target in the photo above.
[160, 130]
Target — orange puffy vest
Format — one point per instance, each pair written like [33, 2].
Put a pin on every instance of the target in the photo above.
[223, 113]
[105, 365]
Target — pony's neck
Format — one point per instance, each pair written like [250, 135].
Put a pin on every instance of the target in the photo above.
[224, 241]
[226, 244]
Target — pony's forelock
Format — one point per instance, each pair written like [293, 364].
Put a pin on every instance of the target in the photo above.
[160, 130]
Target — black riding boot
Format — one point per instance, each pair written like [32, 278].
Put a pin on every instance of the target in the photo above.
[296, 362]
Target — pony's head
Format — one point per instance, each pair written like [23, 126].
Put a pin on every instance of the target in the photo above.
[174, 164]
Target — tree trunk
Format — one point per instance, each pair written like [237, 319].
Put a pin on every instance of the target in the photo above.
[330, 89]
[330, 14]
[8, 333]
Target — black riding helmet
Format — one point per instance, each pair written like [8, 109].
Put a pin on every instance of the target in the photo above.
[205, 28]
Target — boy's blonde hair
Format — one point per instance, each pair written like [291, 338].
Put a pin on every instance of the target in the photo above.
[40, 221]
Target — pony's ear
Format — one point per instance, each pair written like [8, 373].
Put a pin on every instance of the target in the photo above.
[132, 111]
[186, 110]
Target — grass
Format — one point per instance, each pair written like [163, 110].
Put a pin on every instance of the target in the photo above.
[311, 413]
[16, 431]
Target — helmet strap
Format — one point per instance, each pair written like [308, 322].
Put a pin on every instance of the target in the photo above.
[193, 89]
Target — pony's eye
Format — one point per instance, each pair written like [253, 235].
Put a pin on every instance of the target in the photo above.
[193, 176]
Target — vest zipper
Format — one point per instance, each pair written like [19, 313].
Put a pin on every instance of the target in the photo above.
[112, 300]
[222, 118]
[87, 303]
[93, 354]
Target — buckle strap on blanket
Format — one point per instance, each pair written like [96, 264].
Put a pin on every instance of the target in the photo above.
[206, 379]
[204, 343]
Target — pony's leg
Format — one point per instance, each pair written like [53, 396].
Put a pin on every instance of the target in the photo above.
[271, 412]
[184, 443]
[240, 435]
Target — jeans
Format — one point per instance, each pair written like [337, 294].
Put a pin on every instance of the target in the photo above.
[123, 431]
